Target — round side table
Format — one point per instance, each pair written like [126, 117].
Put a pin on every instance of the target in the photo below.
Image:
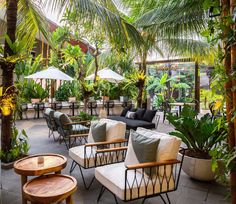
[37, 165]
[50, 188]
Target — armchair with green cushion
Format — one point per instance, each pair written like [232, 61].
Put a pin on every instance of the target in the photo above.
[71, 130]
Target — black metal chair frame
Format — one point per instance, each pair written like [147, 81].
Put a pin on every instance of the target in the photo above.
[23, 110]
[105, 153]
[51, 123]
[176, 167]
[92, 105]
[65, 132]
[167, 109]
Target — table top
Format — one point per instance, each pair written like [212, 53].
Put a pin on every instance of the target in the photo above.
[39, 164]
[182, 104]
[50, 188]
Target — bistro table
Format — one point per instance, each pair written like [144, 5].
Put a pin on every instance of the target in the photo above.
[37, 107]
[37, 165]
[181, 104]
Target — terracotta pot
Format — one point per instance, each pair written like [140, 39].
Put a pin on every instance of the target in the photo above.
[199, 169]
[105, 98]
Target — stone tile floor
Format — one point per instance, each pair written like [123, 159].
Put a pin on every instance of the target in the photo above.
[189, 191]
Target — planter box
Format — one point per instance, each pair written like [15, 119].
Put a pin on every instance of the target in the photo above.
[7, 165]
[10, 164]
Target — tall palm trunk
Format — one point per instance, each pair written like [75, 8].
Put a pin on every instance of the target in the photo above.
[143, 68]
[11, 13]
[96, 63]
[233, 136]
[229, 63]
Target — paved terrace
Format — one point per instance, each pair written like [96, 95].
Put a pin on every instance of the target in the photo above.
[189, 191]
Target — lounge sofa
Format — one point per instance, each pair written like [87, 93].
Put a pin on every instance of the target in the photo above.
[141, 118]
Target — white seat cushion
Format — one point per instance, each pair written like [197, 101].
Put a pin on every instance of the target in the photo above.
[77, 154]
[114, 130]
[88, 160]
[113, 178]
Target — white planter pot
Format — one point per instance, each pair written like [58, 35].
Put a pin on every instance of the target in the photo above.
[199, 169]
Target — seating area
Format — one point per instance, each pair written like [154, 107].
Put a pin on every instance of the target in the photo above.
[120, 101]
[188, 190]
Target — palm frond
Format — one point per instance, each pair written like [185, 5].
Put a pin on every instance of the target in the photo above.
[193, 48]
[117, 29]
[30, 21]
[175, 18]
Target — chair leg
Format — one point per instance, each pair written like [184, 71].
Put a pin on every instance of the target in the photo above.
[168, 198]
[144, 200]
[101, 193]
[73, 165]
[163, 199]
[49, 132]
[85, 185]
[164, 116]
[115, 198]
[67, 147]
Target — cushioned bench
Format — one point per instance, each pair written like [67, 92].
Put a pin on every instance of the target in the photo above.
[138, 118]
[133, 123]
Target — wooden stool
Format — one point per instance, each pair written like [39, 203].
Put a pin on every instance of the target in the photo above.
[50, 188]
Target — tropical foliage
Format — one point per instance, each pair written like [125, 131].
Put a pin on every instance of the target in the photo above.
[199, 135]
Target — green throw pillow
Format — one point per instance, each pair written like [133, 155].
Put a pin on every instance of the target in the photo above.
[145, 149]
[99, 132]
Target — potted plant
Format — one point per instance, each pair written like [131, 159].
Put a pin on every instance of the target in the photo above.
[200, 136]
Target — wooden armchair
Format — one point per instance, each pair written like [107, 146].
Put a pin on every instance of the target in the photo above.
[95, 154]
[143, 180]
[71, 130]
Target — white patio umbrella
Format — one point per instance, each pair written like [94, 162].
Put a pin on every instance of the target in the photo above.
[107, 74]
[50, 73]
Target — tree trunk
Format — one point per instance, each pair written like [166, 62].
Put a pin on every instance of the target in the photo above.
[143, 68]
[229, 62]
[232, 137]
[96, 64]
[197, 87]
[6, 130]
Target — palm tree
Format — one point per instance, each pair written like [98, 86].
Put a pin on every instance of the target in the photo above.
[173, 26]
[24, 19]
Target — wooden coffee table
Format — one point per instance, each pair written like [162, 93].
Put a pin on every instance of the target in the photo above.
[37, 165]
[50, 188]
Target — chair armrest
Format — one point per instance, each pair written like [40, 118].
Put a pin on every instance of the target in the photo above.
[152, 164]
[106, 142]
[111, 149]
[77, 123]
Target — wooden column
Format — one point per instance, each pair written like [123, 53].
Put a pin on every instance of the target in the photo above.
[197, 87]
[232, 137]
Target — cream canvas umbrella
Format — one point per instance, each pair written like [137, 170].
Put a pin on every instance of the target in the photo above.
[107, 74]
[50, 73]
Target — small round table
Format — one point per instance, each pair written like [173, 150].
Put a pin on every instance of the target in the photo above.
[50, 188]
[37, 165]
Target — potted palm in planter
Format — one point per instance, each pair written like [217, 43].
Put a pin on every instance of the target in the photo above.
[200, 136]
